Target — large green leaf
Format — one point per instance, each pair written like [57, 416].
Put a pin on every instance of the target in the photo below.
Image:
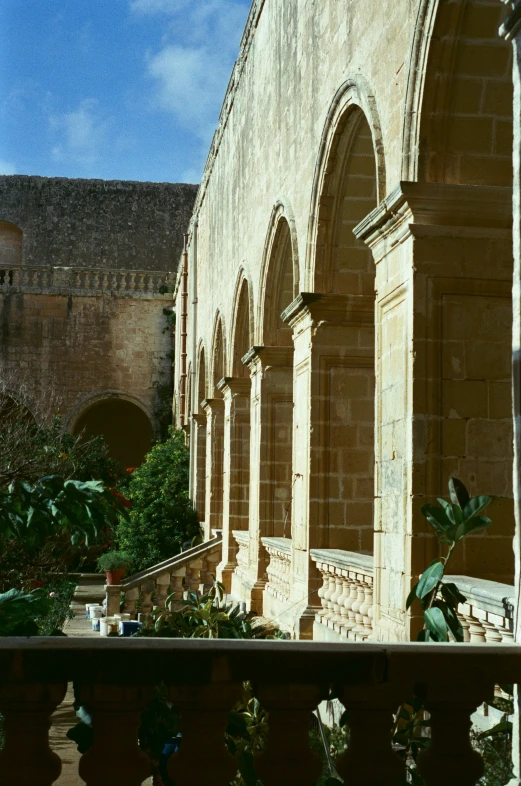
[475, 505]
[436, 516]
[459, 495]
[476, 524]
[451, 619]
[436, 624]
[452, 595]
[430, 578]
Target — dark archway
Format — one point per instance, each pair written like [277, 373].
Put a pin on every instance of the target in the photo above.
[126, 428]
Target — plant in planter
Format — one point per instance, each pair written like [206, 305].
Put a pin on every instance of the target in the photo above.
[115, 564]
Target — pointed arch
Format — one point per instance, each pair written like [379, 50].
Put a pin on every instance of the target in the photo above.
[280, 276]
[353, 106]
[201, 378]
[458, 121]
[242, 326]
[218, 359]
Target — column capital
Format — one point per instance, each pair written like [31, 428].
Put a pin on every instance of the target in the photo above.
[427, 208]
[332, 309]
[268, 356]
[199, 418]
[234, 386]
[212, 405]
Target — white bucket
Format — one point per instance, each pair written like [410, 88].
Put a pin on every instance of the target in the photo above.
[108, 625]
[96, 612]
[96, 623]
[88, 607]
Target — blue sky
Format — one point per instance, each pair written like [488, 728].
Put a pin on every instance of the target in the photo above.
[115, 89]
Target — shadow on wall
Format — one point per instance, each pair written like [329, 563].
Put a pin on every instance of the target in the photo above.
[127, 430]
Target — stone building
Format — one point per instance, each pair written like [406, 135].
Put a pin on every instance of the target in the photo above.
[87, 268]
[344, 345]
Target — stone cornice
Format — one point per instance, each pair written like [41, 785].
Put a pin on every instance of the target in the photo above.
[199, 418]
[269, 356]
[512, 24]
[414, 206]
[211, 405]
[237, 386]
[336, 309]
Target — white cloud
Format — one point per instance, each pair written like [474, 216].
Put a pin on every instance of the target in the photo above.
[192, 69]
[80, 134]
[7, 167]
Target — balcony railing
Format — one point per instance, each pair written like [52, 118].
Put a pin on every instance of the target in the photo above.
[279, 568]
[191, 570]
[204, 679]
[346, 595]
[488, 615]
[86, 281]
[242, 538]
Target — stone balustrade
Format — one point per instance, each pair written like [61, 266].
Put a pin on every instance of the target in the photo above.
[346, 595]
[86, 281]
[191, 570]
[279, 568]
[242, 538]
[488, 614]
[115, 677]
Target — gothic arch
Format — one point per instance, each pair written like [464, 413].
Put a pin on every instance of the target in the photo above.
[457, 125]
[352, 101]
[218, 358]
[200, 386]
[242, 325]
[279, 276]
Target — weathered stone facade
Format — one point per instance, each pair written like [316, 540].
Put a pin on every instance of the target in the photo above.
[86, 269]
[349, 328]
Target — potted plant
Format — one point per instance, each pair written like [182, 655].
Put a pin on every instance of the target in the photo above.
[115, 564]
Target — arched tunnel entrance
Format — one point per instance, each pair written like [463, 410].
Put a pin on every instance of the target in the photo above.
[126, 428]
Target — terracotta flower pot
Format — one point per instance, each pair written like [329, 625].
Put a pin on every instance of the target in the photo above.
[114, 576]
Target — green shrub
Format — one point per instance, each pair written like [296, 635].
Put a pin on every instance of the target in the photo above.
[161, 518]
[114, 560]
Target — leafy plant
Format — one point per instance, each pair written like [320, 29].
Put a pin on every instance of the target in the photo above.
[42, 525]
[161, 518]
[452, 521]
[19, 612]
[203, 617]
[114, 560]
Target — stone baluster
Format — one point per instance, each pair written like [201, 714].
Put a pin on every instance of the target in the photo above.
[331, 587]
[370, 758]
[147, 589]
[27, 759]
[364, 611]
[450, 759]
[176, 583]
[131, 599]
[204, 716]
[342, 611]
[320, 615]
[115, 755]
[162, 587]
[194, 575]
[492, 633]
[352, 597]
[476, 630]
[286, 577]
[335, 617]
[287, 759]
[506, 634]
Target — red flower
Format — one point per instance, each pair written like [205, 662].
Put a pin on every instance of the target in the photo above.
[130, 469]
[123, 501]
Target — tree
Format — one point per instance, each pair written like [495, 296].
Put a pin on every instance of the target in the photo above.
[161, 518]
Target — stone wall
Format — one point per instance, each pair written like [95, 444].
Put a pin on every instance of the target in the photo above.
[87, 269]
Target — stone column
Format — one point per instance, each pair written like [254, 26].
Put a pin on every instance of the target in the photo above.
[333, 436]
[443, 402]
[511, 30]
[198, 447]
[271, 417]
[214, 409]
[236, 470]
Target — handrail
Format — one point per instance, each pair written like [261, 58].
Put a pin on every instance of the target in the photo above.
[184, 558]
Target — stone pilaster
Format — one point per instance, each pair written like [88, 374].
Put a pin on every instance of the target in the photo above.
[443, 316]
[271, 416]
[236, 470]
[333, 436]
[214, 409]
[198, 447]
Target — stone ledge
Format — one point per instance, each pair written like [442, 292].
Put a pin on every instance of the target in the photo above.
[345, 560]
